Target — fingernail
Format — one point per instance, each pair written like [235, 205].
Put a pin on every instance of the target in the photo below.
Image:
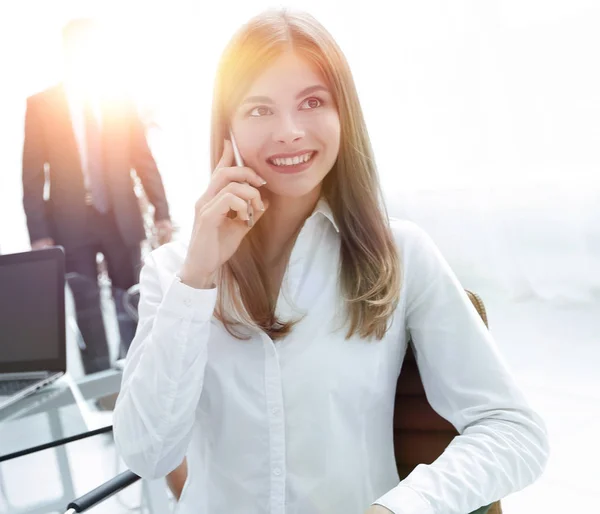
[262, 206]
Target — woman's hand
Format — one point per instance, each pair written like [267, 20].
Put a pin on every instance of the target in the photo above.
[215, 235]
[378, 509]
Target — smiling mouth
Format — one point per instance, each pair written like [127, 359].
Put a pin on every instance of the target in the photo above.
[292, 161]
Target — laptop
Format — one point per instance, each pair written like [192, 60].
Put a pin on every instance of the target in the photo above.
[33, 349]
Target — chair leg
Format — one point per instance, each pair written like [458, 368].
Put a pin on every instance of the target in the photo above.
[64, 467]
[62, 458]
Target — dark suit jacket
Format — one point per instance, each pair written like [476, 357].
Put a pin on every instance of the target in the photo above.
[50, 140]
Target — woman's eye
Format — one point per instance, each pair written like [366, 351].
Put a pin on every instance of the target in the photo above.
[308, 104]
[260, 110]
[312, 103]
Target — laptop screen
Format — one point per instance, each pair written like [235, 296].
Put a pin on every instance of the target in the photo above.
[32, 311]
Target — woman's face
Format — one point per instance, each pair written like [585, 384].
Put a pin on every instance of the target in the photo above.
[287, 127]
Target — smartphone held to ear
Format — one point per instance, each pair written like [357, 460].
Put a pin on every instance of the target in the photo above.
[239, 162]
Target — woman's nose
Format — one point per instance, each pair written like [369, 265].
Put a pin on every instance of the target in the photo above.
[288, 130]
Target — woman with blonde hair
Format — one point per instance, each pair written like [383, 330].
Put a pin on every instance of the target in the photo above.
[264, 367]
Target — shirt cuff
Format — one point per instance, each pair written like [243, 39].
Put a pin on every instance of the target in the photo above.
[188, 302]
[404, 500]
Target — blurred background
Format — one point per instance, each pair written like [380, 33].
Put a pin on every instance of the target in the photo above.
[486, 113]
[485, 121]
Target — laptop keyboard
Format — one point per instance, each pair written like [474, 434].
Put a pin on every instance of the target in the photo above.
[14, 386]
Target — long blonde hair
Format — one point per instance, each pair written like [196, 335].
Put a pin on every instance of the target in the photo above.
[370, 271]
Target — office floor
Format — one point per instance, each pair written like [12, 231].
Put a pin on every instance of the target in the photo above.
[554, 352]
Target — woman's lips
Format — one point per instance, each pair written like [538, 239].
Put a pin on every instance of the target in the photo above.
[292, 168]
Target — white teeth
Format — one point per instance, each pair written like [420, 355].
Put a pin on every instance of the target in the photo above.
[291, 161]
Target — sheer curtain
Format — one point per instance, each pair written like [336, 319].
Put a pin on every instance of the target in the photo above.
[483, 117]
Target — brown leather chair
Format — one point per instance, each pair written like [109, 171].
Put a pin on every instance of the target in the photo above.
[420, 434]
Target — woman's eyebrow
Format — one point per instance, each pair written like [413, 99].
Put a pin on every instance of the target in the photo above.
[304, 92]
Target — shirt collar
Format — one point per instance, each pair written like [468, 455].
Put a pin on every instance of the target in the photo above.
[75, 94]
[323, 208]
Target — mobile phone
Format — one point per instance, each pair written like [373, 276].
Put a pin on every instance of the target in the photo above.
[239, 162]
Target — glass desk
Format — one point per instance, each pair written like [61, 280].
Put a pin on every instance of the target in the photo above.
[58, 414]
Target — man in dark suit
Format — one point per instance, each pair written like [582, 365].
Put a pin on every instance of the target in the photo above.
[83, 142]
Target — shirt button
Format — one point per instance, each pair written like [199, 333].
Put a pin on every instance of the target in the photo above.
[187, 302]
[277, 472]
[275, 411]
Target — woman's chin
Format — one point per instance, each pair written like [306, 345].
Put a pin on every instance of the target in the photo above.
[299, 189]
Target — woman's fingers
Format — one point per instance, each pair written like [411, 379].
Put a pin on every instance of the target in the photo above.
[223, 176]
[235, 196]
[220, 207]
[226, 160]
[240, 181]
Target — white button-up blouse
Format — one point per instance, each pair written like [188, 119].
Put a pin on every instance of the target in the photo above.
[304, 425]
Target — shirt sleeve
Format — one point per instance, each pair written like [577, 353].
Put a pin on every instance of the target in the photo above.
[164, 374]
[503, 445]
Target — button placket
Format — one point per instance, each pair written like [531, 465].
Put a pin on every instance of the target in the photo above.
[274, 397]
